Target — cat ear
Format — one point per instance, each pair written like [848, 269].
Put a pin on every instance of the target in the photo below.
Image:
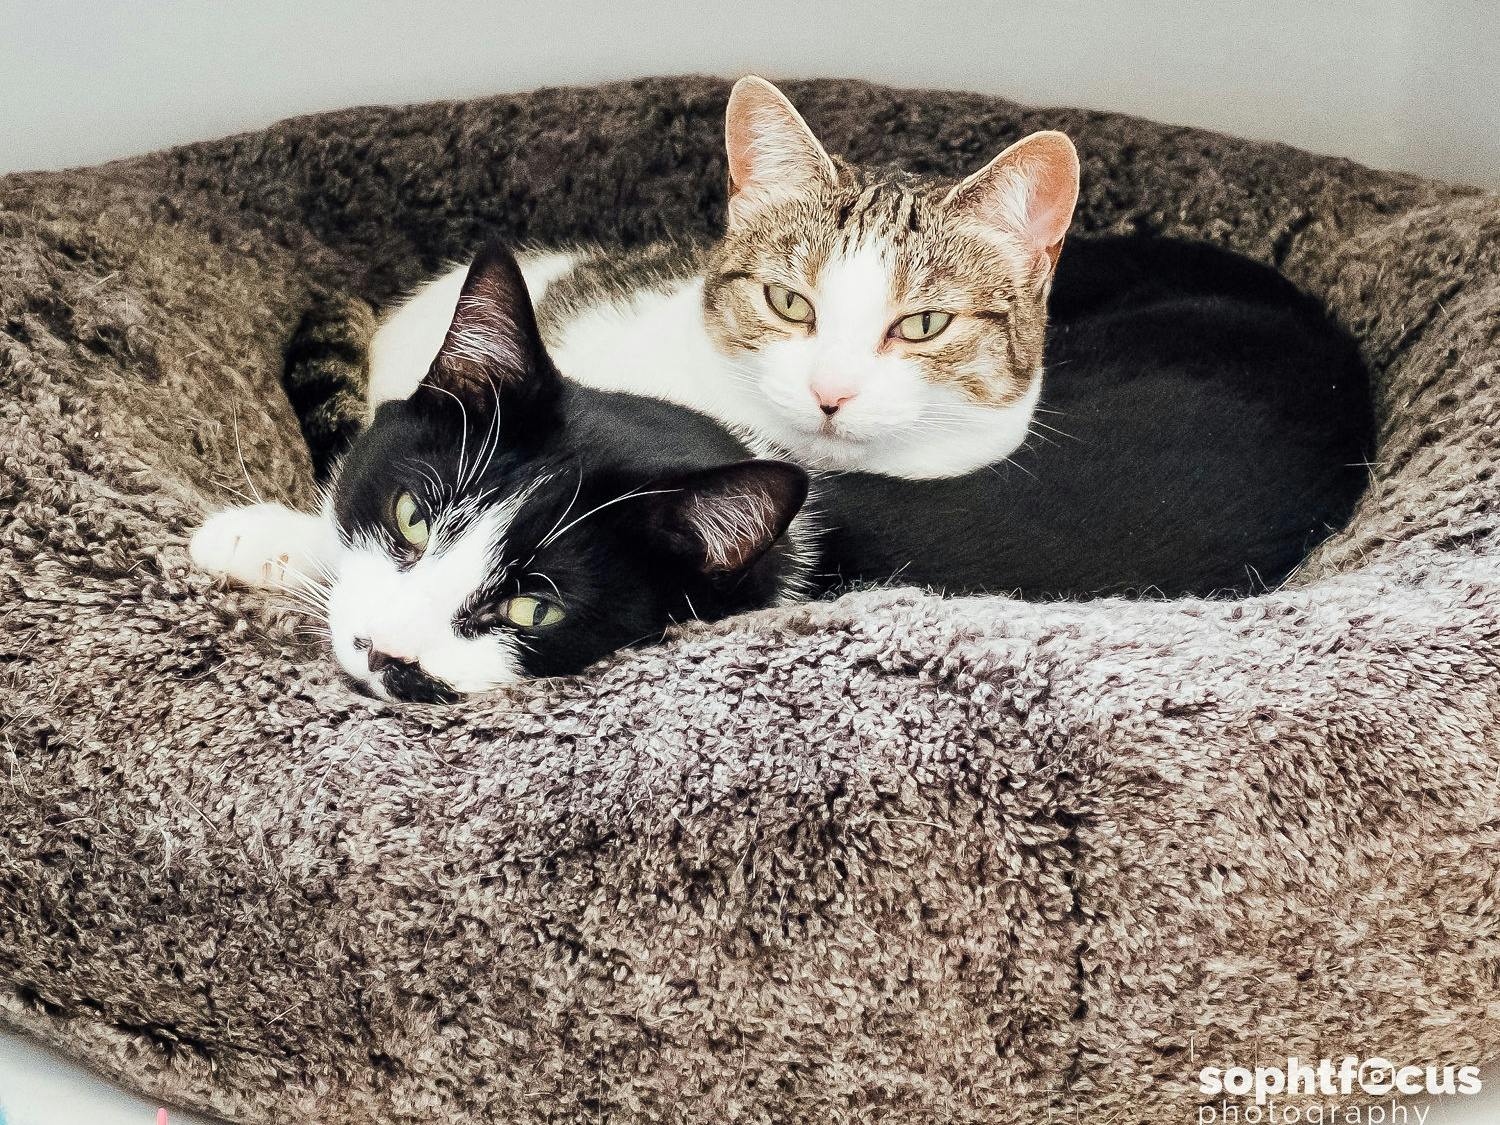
[1029, 190]
[493, 352]
[721, 520]
[772, 152]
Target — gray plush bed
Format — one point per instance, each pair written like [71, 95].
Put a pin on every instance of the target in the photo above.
[890, 858]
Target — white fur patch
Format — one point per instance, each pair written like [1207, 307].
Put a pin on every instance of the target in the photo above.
[654, 344]
[410, 614]
[267, 546]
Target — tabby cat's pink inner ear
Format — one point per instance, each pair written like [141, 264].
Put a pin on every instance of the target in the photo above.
[772, 153]
[1029, 190]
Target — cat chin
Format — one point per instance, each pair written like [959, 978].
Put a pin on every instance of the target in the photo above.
[914, 458]
[352, 663]
[987, 436]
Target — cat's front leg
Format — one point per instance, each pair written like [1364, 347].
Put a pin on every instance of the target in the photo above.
[269, 546]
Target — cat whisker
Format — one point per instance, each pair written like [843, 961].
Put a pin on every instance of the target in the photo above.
[316, 609]
[463, 434]
[239, 451]
[488, 447]
[749, 378]
[544, 578]
[553, 530]
[1054, 430]
[312, 629]
[939, 424]
[325, 576]
[235, 492]
[310, 581]
[304, 592]
[1014, 464]
[303, 586]
[301, 610]
[430, 475]
[631, 495]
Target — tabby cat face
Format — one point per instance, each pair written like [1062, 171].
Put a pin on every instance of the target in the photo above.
[879, 322]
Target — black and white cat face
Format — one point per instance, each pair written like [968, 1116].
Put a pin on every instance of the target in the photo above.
[502, 524]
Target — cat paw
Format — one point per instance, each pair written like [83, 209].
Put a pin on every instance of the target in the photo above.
[268, 546]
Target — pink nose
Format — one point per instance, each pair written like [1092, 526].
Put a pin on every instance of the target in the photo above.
[379, 655]
[831, 396]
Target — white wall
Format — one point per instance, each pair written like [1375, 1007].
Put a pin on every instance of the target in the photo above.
[1395, 83]
[38, 1087]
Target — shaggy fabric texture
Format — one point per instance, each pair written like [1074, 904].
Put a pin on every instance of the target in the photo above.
[891, 858]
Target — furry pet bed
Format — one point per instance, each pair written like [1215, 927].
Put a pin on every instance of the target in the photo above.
[891, 858]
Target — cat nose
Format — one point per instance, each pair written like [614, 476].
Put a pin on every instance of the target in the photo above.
[830, 398]
[378, 658]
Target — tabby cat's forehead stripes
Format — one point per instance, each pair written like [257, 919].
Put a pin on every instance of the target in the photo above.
[883, 208]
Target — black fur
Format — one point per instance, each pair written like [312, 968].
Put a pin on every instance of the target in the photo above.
[1204, 426]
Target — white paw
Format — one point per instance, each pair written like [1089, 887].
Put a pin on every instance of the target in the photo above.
[264, 545]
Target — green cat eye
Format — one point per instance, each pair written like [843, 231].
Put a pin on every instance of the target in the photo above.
[789, 304]
[921, 326]
[411, 520]
[530, 613]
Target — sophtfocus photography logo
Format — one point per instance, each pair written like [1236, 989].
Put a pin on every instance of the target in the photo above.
[1328, 1091]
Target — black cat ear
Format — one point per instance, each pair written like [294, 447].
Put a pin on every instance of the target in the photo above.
[723, 519]
[493, 352]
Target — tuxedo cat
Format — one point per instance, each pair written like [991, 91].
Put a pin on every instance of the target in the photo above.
[503, 522]
[850, 317]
